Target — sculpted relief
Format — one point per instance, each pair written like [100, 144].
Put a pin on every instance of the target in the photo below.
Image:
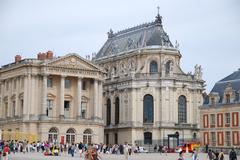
[121, 67]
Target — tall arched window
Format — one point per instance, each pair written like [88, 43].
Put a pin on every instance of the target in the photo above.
[108, 112]
[53, 135]
[168, 66]
[153, 67]
[148, 109]
[70, 135]
[117, 110]
[182, 109]
[147, 138]
[87, 136]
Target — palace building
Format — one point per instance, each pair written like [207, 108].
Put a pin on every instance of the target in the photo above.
[147, 98]
[49, 98]
[220, 125]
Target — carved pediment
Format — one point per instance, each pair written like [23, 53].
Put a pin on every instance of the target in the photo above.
[72, 61]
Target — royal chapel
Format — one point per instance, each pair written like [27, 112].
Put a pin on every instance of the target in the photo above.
[133, 90]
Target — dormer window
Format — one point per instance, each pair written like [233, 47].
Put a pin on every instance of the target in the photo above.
[227, 98]
[212, 100]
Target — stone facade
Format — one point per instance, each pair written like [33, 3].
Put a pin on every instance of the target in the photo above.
[52, 98]
[145, 88]
[219, 115]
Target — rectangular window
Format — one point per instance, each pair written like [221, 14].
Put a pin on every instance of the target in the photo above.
[228, 138]
[205, 121]
[66, 105]
[22, 83]
[213, 138]
[227, 98]
[21, 111]
[206, 138]
[227, 119]
[7, 86]
[50, 104]
[220, 120]
[67, 83]
[220, 138]
[6, 109]
[13, 108]
[15, 84]
[83, 109]
[83, 85]
[49, 82]
[212, 120]
[212, 101]
[235, 139]
[235, 119]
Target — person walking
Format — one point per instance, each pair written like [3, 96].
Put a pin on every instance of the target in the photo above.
[180, 156]
[232, 155]
[194, 154]
[210, 155]
[6, 151]
[126, 147]
[221, 155]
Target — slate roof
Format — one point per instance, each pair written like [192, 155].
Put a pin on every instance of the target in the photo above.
[148, 34]
[233, 79]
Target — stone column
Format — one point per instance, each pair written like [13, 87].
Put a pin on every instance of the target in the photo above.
[25, 97]
[17, 110]
[44, 97]
[100, 97]
[62, 88]
[95, 99]
[79, 97]
[1, 101]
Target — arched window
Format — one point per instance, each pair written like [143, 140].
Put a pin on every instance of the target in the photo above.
[182, 109]
[117, 110]
[87, 136]
[108, 112]
[148, 109]
[53, 135]
[70, 135]
[168, 66]
[147, 138]
[153, 67]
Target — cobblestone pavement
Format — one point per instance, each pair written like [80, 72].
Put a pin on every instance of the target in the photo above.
[142, 156]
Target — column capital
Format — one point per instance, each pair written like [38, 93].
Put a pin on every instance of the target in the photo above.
[63, 76]
[45, 74]
[80, 77]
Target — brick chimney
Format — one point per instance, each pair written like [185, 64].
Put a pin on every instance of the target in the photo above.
[41, 56]
[18, 58]
[49, 55]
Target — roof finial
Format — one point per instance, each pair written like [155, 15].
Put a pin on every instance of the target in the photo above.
[158, 17]
[158, 9]
[110, 33]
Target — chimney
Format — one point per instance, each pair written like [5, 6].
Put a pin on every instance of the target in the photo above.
[49, 55]
[41, 56]
[18, 58]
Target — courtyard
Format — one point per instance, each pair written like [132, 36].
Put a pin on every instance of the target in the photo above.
[142, 156]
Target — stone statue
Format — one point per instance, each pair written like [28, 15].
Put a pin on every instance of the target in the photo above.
[176, 44]
[198, 71]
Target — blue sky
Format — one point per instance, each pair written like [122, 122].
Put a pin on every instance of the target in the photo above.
[208, 31]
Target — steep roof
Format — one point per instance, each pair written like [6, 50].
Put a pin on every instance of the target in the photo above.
[233, 79]
[149, 34]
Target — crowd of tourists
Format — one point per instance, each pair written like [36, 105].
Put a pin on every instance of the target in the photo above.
[92, 151]
[86, 151]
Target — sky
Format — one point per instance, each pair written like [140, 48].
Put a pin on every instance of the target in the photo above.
[208, 31]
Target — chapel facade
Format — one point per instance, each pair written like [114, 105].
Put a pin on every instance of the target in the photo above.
[147, 98]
